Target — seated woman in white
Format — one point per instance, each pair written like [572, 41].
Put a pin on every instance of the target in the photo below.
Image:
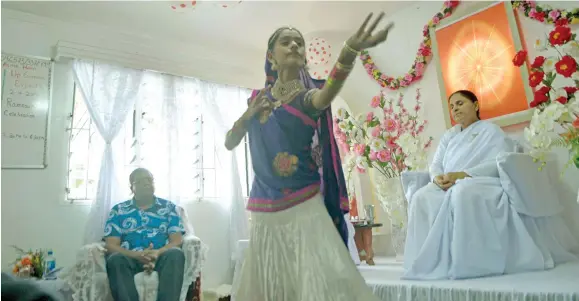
[461, 225]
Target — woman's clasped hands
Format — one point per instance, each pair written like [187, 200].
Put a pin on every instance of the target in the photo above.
[446, 181]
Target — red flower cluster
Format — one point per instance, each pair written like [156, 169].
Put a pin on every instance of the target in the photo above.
[565, 66]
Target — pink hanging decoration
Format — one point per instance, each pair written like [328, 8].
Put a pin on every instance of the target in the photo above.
[181, 7]
[318, 51]
[318, 55]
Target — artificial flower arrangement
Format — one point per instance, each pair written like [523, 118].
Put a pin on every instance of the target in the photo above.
[29, 264]
[389, 144]
[556, 108]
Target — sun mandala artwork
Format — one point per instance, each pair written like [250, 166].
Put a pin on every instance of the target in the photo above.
[475, 54]
[477, 63]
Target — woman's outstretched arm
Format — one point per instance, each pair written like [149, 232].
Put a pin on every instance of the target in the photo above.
[361, 40]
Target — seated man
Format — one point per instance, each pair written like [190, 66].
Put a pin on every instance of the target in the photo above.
[144, 234]
[462, 224]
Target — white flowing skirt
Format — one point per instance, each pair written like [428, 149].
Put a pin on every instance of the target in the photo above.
[298, 255]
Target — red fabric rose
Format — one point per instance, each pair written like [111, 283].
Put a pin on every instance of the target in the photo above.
[570, 90]
[425, 51]
[538, 62]
[519, 58]
[536, 78]
[451, 4]
[540, 97]
[562, 99]
[539, 16]
[566, 66]
[562, 22]
[560, 35]
[544, 90]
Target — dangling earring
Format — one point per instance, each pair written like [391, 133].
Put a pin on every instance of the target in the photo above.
[273, 66]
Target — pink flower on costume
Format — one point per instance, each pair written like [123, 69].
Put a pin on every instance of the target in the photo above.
[360, 149]
[376, 132]
[375, 102]
[373, 156]
[384, 76]
[370, 116]
[408, 78]
[436, 20]
[384, 156]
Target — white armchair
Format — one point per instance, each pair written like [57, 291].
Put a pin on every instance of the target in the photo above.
[88, 276]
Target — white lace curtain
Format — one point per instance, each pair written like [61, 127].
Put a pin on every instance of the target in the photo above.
[223, 105]
[110, 93]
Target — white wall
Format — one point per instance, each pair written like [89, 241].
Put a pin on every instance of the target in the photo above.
[34, 212]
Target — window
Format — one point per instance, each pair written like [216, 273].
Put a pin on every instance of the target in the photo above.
[165, 133]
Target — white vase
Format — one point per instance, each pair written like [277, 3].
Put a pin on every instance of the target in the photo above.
[392, 200]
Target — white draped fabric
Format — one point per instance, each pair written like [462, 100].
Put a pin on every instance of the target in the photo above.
[110, 93]
[223, 105]
[473, 229]
[351, 242]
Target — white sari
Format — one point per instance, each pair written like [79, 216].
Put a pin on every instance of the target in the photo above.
[470, 230]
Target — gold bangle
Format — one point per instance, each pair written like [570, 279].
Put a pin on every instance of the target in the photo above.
[350, 49]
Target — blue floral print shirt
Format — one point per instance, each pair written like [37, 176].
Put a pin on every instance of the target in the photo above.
[138, 228]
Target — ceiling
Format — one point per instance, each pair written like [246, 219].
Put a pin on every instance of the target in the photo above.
[246, 24]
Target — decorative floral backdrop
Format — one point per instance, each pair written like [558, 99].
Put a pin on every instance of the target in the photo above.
[539, 12]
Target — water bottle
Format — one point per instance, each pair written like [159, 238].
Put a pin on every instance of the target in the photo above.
[49, 264]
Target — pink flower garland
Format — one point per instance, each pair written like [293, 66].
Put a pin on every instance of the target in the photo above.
[422, 56]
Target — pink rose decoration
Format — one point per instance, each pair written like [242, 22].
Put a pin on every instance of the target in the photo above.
[384, 156]
[408, 77]
[369, 116]
[555, 14]
[376, 132]
[375, 102]
[372, 156]
[390, 125]
[360, 149]
[419, 68]
[436, 20]
[391, 143]
[384, 76]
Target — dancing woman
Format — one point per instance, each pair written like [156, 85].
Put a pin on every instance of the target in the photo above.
[297, 248]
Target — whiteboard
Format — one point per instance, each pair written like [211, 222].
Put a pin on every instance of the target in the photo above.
[26, 97]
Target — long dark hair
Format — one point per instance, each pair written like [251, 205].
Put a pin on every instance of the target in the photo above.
[470, 96]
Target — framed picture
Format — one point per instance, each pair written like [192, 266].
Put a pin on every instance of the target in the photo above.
[474, 51]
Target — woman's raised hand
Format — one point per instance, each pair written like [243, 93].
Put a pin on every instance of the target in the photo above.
[260, 102]
[365, 37]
